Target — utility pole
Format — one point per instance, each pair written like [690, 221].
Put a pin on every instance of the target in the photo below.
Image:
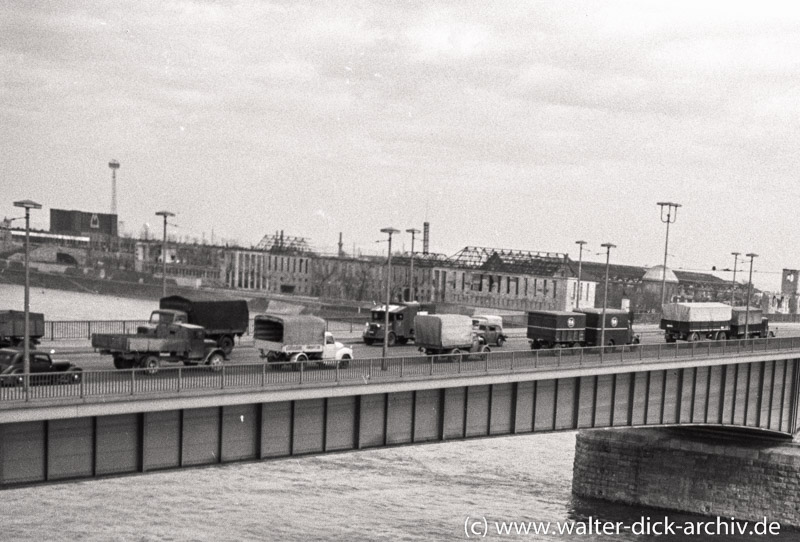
[165, 214]
[749, 293]
[580, 261]
[26, 346]
[411, 289]
[669, 219]
[608, 247]
[733, 282]
[384, 362]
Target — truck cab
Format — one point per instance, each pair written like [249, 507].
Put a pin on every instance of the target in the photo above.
[401, 323]
[489, 329]
[162, 323]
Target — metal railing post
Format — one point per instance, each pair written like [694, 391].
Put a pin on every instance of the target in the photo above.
[694, 344]
[432, 365]
[486, 362]
[459, 364]
[337, 372]
[536, 360]
[222, 378]
[264, 374]
[560, 350]
[301, 371]
[752, 345]
[89, 336]
[180, 378]
[580, 361]
[133, 381]
[402, 366]
[81, 383]
[370, 368]
[513, 355]
[658, 352]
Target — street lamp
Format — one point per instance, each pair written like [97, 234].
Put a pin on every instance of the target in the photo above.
[669, 219]
[733, 282]
[749, 293]
[165, 214]
[608, 247]
[580, 260]
[26, 348]
[384, 363]
[411, 289]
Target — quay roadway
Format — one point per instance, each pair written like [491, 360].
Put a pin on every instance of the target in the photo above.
[83, 356]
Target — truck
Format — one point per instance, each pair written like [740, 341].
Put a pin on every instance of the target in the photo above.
[618, 327]
[556, 329]
[711, 321]
[166, 342]
[401, 323]
[447, 335]
[43, 370]
[489, 327]
[223, 319]
[295, 339]
[12, 327]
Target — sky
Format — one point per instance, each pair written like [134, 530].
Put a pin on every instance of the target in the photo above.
[517, 125]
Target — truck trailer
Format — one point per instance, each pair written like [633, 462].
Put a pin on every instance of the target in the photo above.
[12, 327]
[711, 321]
[618, 327]
[556, 329]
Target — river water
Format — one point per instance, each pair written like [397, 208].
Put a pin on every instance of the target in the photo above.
[424, 492]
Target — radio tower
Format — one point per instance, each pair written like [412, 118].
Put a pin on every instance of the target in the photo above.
[114, 165]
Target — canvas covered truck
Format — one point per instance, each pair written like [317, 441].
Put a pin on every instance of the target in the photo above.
[223, 319]
[556, 329]
[618, 327]
[148, 349]
[490, 328]
[711, 321]
[401, 323]
[12, 327]
[296, 339]
[447, 334]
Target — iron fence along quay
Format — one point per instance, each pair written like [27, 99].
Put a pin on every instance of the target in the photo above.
[83, 329]
[171, 380]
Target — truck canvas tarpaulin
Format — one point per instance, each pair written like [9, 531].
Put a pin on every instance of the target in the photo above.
[696, 312]
[217, 316]
[271, 332]
[443, 330]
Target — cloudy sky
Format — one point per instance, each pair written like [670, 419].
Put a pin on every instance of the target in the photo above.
[525, 125]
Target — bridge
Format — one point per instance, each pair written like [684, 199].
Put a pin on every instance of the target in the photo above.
[129, 421]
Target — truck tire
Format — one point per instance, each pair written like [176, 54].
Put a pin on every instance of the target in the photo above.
[368, 342]
[215, 361]
[392, 339]
[226, 344]
[771, 334]
[119, 362]
[344, 363]
[500, 341]
[721, 336]
[455, 355]
[150, 364]
[693, 337]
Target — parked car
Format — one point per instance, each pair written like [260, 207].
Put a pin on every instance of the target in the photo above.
[489, 328]
[43, 370]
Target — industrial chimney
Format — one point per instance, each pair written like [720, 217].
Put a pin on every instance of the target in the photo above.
[426, 227]
[114, 165]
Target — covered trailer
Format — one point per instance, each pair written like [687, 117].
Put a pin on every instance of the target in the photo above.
[695, 321]
[438, 334]
[618, 327]
[223, 319]
[12, 327]
[548, 329]
[296, 338]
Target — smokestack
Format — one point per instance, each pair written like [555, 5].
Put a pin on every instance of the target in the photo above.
[114, 165]
[341, 246]
[426, 228]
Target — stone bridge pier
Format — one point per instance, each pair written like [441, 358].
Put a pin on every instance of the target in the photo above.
[723, 473]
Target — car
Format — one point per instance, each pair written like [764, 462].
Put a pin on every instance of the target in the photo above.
[43, 370]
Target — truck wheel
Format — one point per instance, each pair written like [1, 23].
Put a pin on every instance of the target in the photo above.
[298, 359]
[500, 341]
[722, 336]
[226, 344]
[151, 364]
[119, 363]
[392, 339]
[693, 337]
[455, 355]
[215, 361]
[368, 342]
[344, 363]
[771, 334]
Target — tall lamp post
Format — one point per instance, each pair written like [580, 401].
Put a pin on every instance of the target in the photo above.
[384, 363]
[751, 255]
[411, 289]
[608, 247]
[580, 261]
[165, 214]
[26, 348]
[668, 219]
[733, 281]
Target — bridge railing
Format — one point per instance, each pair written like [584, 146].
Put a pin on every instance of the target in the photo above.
[172, 380]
